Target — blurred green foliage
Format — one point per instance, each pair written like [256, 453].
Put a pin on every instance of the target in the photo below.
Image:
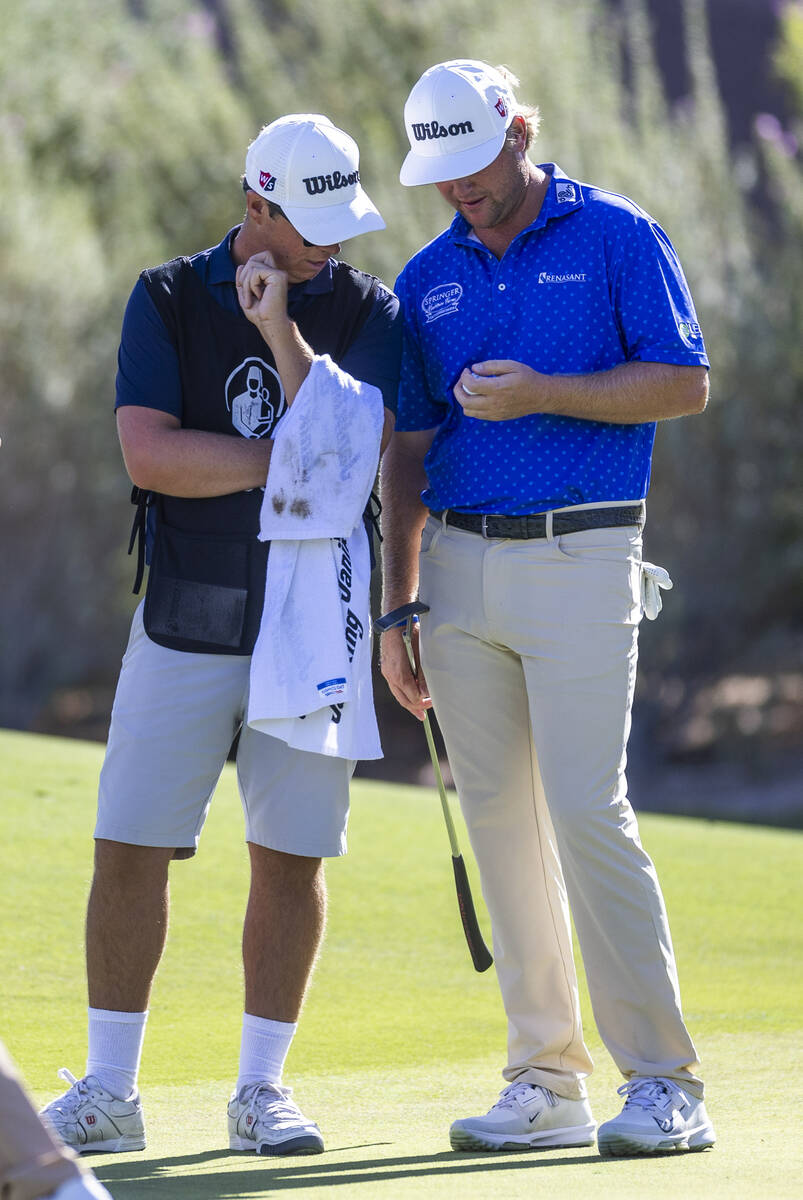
[122, 138]
[789, 54]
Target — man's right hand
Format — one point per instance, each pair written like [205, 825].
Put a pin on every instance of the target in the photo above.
[410, 692]
[262, 291]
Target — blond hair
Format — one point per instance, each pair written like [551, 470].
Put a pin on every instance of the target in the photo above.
[528, 112]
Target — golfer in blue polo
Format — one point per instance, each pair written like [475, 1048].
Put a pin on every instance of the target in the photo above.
[547, 330]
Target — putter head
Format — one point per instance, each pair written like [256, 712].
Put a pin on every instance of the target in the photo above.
[400, 616]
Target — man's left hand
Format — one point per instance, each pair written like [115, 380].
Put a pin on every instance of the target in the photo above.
[498, 390]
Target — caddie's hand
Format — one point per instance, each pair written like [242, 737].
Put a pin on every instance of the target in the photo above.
[498, 390]
[410, 692]
[262, 290]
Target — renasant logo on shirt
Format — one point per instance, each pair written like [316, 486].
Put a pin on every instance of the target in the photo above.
[441, 300]
[569, 277]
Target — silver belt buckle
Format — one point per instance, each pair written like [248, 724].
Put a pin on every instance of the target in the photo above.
[485, 525]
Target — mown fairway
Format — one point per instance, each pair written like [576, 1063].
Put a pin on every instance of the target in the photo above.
[399, 1034]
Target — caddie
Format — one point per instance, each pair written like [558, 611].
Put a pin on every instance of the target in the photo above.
[546, 331]
[214, 349]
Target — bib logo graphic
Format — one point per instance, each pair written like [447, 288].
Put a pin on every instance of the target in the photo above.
[565, 193]
[441, 300]
[690, 332]
[267, 181]
[255, 398]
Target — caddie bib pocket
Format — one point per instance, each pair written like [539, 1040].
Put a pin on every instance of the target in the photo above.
[205, 594]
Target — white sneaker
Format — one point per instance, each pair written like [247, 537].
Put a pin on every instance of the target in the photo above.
[85, 1188]
[262, 1117]
[88, 1118]
[658, 1116]
[526, 1117]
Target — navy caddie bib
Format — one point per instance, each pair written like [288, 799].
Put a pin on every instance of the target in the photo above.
[206, 582]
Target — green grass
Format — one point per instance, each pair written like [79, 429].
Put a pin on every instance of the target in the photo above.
[399, 1034]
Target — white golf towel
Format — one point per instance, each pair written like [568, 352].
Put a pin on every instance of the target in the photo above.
[310, 680]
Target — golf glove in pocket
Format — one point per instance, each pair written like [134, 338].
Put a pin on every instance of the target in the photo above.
[653, 578]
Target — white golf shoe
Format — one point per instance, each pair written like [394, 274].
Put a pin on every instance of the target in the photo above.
[526, 1117]
[89, 1119]
[658, 1117]
[262, 1117]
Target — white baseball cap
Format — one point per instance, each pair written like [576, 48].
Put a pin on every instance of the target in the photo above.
[310, 168]
[456, 118]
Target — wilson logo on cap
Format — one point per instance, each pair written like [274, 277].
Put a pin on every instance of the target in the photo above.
[267, 181]
[316, 184]
[428, 130]
[501, 107]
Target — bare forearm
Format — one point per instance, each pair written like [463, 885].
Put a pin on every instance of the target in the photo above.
[292, 355]
[632, 393]
[193, 463]
[402, 479]
[629, 394]
[262, 292]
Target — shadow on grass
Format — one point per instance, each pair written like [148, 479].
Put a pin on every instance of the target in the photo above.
[163, 1176]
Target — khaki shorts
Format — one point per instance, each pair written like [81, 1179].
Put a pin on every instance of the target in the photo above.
[174, 718]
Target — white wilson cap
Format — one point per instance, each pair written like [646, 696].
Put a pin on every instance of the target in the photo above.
[310, 168]
[456, 118]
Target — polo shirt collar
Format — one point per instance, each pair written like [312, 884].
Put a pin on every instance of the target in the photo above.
[563, 196]
[221, 269]
[220, 264]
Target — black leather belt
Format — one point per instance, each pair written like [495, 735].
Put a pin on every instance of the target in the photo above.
[494, 525]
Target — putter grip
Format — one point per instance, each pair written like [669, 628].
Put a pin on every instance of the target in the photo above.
[480, 954]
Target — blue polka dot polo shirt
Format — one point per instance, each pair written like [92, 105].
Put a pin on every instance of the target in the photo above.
[593, 282]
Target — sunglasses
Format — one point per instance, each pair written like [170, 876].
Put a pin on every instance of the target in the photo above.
[275, 211]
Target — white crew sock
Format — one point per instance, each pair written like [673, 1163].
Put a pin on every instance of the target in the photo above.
[263, 1049]
[115, 1048]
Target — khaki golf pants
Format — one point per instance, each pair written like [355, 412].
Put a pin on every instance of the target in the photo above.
[529, 650]
[33, 1162]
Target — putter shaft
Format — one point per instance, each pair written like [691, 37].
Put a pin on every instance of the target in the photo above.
[433, 753]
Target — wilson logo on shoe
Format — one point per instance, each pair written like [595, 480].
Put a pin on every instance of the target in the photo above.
[91, 1119]
[249, 1121]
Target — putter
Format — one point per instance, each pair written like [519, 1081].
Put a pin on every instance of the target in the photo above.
[480, 954]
